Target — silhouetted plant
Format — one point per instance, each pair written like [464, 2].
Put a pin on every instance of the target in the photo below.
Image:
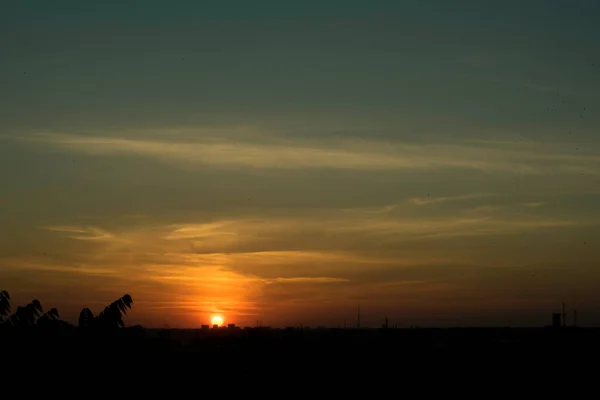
[86, 318]
[112, 316]
[33, 313]
[51, 315]
[27, 316]
[4, 305]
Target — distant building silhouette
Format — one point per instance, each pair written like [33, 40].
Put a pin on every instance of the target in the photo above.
[556, 320]
[385, 325]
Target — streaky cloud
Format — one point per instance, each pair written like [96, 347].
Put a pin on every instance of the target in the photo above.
[534, 204]
[422, 201]
[307, 280]
[81, 233]
[294, 154]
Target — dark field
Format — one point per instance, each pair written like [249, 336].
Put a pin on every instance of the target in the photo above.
[270, 351]
[134, 362]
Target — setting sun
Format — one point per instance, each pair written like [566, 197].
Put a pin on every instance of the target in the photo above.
[216, 320]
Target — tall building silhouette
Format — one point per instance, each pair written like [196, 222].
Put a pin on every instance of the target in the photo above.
[556, 320]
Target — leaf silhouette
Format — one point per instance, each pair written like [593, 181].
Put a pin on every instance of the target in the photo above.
[51, 315]
[112, 316]
[86, 318]
[27, 315]
[4, 304]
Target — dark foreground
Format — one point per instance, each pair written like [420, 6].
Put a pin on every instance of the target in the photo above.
[177, 359]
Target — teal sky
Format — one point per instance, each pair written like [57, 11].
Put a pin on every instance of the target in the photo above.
[438, 162]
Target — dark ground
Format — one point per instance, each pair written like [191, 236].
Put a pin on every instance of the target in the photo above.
[423, 358]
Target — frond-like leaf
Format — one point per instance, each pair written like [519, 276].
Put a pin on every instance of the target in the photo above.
[36, 306]
[86, 318]
[4, 303]
[53, 313]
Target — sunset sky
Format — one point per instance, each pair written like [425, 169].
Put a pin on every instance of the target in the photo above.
[437, 162]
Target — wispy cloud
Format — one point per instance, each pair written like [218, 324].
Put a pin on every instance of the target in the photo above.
[211, 230]
[413, 229]
[81, 233]
[484, 209]
[43, 264]
[344, 228]
[421, 201]
[288, 154]
[321, 248]
[372, 210]
[534, 204]
[307, 280]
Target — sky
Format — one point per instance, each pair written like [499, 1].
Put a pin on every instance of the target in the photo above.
[436, 162]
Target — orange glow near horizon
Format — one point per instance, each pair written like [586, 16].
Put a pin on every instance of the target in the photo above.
[216, 320]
